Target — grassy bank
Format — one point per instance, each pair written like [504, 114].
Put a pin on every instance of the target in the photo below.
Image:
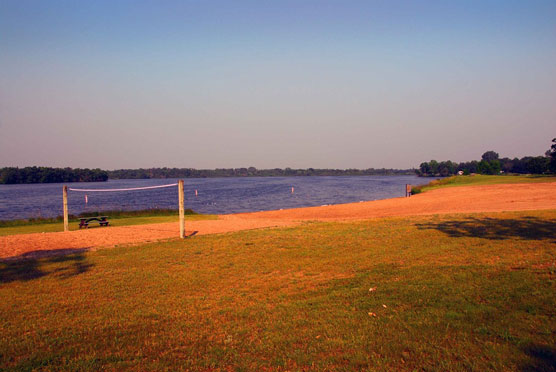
[480, 179]
[116, 218]
[458, 293]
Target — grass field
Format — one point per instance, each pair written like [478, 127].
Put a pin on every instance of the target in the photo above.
[442, 293]
[40, 226]
[479, 179]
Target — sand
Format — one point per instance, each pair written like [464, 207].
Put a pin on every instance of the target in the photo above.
[468, 199]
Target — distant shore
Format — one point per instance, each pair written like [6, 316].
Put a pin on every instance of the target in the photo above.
[15, 175]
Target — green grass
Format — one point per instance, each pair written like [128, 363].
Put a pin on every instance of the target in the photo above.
[30, 227]
[112, 214]
[450, 293]
[480, 179]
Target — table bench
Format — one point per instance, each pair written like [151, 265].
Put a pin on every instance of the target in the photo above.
[84, 221]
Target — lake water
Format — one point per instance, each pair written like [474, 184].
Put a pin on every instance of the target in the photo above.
[215, 195]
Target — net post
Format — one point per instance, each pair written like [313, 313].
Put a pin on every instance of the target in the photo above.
[182, 212]
[65, 199]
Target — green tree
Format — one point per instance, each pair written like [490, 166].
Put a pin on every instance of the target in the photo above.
[553, 156]
[484, 167]
[490, 156]
[538, 165]
[434, 166]
[495, 166]
[425, 168]
[446, 168]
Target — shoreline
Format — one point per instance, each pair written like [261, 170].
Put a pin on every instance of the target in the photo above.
[215, 196]
[475, 199]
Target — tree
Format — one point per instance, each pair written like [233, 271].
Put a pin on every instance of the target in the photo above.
[490, 156]
[506, 164]
[447, 168]
[538, 165]
[425, 168]
[434, 166]
[49, 175]
[495, 166]
[553, 156]
[485, 167]
[519, 165]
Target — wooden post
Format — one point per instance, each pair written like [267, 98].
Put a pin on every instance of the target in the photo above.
[182, 212]
[65, 197]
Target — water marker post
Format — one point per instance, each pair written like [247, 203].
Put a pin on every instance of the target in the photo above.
[65, 198]
[182, 212]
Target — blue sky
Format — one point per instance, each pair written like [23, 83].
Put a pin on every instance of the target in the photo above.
[340, 84]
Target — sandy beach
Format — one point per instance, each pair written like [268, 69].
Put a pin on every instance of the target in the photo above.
[470, 199]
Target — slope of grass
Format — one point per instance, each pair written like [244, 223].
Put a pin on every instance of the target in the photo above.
[117, 220]
[450, 293]
[480, 179]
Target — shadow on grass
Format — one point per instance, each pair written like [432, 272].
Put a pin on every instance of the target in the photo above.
[543, 358]
[62, 263]
[528, 228]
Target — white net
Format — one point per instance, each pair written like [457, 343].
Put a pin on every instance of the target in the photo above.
[126, 189]
[146, 198]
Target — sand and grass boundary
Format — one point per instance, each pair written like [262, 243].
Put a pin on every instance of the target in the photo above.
[448, 200]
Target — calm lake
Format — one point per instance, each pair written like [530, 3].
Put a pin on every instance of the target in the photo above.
[214, 195]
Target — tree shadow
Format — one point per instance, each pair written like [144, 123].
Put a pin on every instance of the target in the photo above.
[527, 228]
[61, 263]
[543, 358]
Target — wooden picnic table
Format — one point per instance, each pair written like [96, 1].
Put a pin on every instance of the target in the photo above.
[84, 221]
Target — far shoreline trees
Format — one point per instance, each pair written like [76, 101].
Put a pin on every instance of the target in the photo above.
[249, 172]
[491, 163]
[15, 175]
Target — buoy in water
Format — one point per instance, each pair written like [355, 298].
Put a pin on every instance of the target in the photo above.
[292, 189]
[196, 193]
[86, 199]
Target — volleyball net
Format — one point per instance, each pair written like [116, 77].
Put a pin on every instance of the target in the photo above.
[125, 189]
[128, 189]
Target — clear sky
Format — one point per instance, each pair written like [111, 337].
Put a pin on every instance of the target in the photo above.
[323, 84]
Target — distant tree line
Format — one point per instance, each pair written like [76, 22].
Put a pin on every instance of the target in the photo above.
[491, 163]
[13, 175]
[248, 172]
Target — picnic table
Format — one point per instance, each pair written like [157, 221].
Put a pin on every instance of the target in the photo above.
[84, 221]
